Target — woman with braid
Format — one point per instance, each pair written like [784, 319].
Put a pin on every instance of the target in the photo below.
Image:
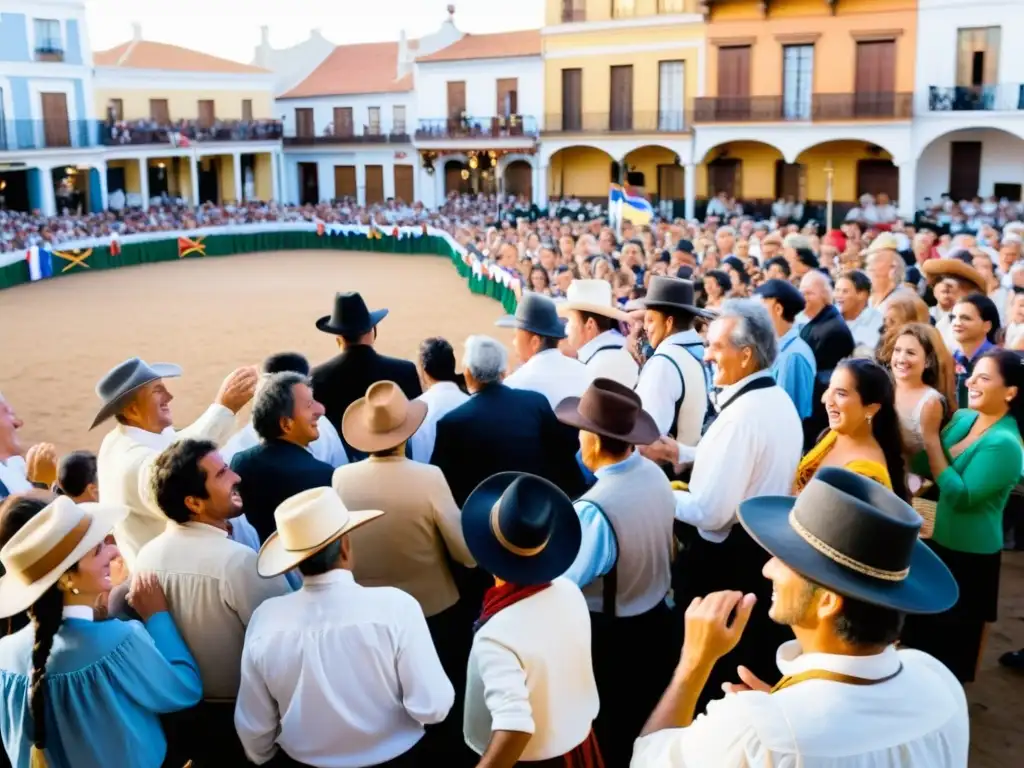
[76, 692]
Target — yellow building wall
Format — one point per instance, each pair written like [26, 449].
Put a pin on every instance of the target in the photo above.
[184, 179]
[646, 161]
[579, 172]
[757, 169]
[263, 171]
[184, 105]
[226, 178]
[800, 21]
[844, 156]
[601, 10]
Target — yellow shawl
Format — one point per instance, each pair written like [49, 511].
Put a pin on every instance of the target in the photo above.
[810, 464]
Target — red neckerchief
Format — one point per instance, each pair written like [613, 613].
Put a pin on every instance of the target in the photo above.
[497, 598]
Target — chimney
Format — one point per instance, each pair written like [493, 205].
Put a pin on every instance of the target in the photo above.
[265, 36]
[136, 32]
[315, 34]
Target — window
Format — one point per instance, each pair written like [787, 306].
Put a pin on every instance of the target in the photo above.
[247, 110]
[671, 6]
[56, 130]
[797, 81]
[574, 10]
[115, 109]
[304, 122]
[621, 98]
[49, 45]
[398, 119]
[623, 9]
[670, 95]
[159, 113]
[977, 57]
[207, 113]
[374, 129]
[343, 122]
[508, 96]
[572, 99]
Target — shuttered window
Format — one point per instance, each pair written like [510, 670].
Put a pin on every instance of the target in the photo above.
[797, 81]
[621, 117]
[671, 82]
[572, 99]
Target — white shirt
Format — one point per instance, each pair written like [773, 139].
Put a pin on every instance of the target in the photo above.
[328, 448]
[13, 474]
[918, 718]
[751, 449]
[441, 399]
[603, 362]
[339, 675]
[553, 375]
[866, 329]
[660, 386]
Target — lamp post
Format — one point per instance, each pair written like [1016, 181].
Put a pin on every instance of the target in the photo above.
[830, 173]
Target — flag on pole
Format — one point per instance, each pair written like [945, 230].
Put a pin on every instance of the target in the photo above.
[631, 206]
[40, 262]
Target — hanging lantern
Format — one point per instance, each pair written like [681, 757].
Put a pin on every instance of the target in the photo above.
[465, 174]
[473, 162]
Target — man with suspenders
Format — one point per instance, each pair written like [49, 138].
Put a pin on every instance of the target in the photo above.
[593, 331]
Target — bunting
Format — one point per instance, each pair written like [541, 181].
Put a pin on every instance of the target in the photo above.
[187, 246]
[75, 258]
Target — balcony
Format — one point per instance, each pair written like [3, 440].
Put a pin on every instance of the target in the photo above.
[24, 135]
[346, 135]
[184, 132]
[497, 127]
[1006, 97]
[663, 121]
[49, 50]
[820, 107]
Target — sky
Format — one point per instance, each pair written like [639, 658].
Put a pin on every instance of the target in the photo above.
[231, 28]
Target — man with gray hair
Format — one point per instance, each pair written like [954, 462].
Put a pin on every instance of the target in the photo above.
[285, 416]
[500, 429]
[751, 449]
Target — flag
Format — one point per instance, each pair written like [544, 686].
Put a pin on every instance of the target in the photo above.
[179, 140]
[187, 246]
[115, 244]
[40, 262]
[635, 208]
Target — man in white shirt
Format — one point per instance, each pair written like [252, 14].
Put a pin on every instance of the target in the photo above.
[211, 585]
[851, 294]
[37, 468]
[847, 567]
[593, 332]
[327, 447]
[886, 269]
[335, 674]
[135, 394]
[543, 368]
[441, 392]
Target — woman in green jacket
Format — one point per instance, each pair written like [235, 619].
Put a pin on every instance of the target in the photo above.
[975, 462]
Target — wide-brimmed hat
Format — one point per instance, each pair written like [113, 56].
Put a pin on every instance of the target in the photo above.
[672, 293]
[521, 528]
[936, 269]
[855, 537]
[47, 545]
[350, 316]
[612, 410]
[594, 296]
[537, 314]
[886, 241]
[382, 419]
[117, 387]
[306, 523]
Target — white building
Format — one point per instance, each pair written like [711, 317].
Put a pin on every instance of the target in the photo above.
[969, 99]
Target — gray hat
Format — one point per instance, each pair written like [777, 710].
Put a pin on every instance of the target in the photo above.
[121, 382]
[537, 314]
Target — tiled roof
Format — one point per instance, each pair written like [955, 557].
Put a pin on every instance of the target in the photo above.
[144, 54]
[501, 45]
[352, 69]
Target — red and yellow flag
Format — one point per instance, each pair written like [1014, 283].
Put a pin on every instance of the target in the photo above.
[75, 258]
[188, 246]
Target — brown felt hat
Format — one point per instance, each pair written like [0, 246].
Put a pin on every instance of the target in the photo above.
[612, 410]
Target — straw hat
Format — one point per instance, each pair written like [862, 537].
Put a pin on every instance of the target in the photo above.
[594, 296]
[383, 419]
[306, 523]
[936, 269]
[48, 545]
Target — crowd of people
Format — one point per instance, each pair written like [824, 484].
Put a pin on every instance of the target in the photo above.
[182, 132]
[742, 502]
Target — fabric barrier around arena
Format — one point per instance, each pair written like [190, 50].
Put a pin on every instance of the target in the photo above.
[74, 258]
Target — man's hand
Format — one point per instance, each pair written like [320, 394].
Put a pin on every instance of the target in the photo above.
[41, 464]
[238, 388]
[709, 635]
[664, 450]
[750, 682]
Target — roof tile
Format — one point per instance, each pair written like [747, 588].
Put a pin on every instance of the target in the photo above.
[354, 69]
[145, 54]
[501, 45]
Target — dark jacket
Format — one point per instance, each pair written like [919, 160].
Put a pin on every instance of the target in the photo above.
[506, 430]
[830, 340]
[272, 472]
[344, 378]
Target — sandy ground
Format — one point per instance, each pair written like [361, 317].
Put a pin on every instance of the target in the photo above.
[211, 315]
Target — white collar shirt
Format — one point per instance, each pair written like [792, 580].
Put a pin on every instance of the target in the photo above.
[917, 718]
[13, 474]
[553, 375]
[339, 675]
[441, 399]
[866, 328]
[606, 356]
[328, 448]
[751, 449]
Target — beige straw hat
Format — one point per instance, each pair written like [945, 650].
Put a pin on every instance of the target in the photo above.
[48, 545]
[594, 296]
[306, 523]
[385, 418]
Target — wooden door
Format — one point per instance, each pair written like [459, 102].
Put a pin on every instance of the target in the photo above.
[374, 184]
[875, 82]
[343, 121]
[456, 99]
[508, 97]
[56, 130]
[572, 100]
[115, 109]
[405, 189]
[787, 179]
[344, 181]
[733, 83]
[304, 123]
[724, 176]
[519, 179]
[159, 112]
[206, 113]
[671, 182]
[247, 110]
[453, 181]
[877, 176]
[621, 112]
[964, 169]
[309, 184]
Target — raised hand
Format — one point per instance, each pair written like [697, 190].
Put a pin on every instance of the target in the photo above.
[238, 388]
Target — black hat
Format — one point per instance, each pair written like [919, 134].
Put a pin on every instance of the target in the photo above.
[671, 293]
[350, 316]
[610, 409]
[854, 536]
[521, 528]
[685, 246]
[537, 314]
[785, 293]
[121, 382]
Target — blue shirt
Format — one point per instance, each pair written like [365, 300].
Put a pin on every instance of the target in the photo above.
[964, 368]
[107, 683]
[794, 370]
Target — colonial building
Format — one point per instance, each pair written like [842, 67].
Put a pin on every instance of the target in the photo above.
[185, 124]
[804, 94]
[969, 99]
[49, 154]
[618, 77]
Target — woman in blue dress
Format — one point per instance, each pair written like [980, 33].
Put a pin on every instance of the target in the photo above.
[77, 692]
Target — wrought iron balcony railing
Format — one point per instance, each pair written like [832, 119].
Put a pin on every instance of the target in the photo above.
[818, 106]
[1004, 97]
[626, 121]
[367, 134]
[115, 133]
[47, 134]
[466, 127]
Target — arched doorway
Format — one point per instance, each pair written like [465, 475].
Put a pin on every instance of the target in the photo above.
[581, 172]
[655, 171]
[456, 177]
[519, 179]
[857, 168]
[71, 188]
[744, 170]
[972, 162]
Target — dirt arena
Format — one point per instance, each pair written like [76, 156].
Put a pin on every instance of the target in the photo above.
[212, 315]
